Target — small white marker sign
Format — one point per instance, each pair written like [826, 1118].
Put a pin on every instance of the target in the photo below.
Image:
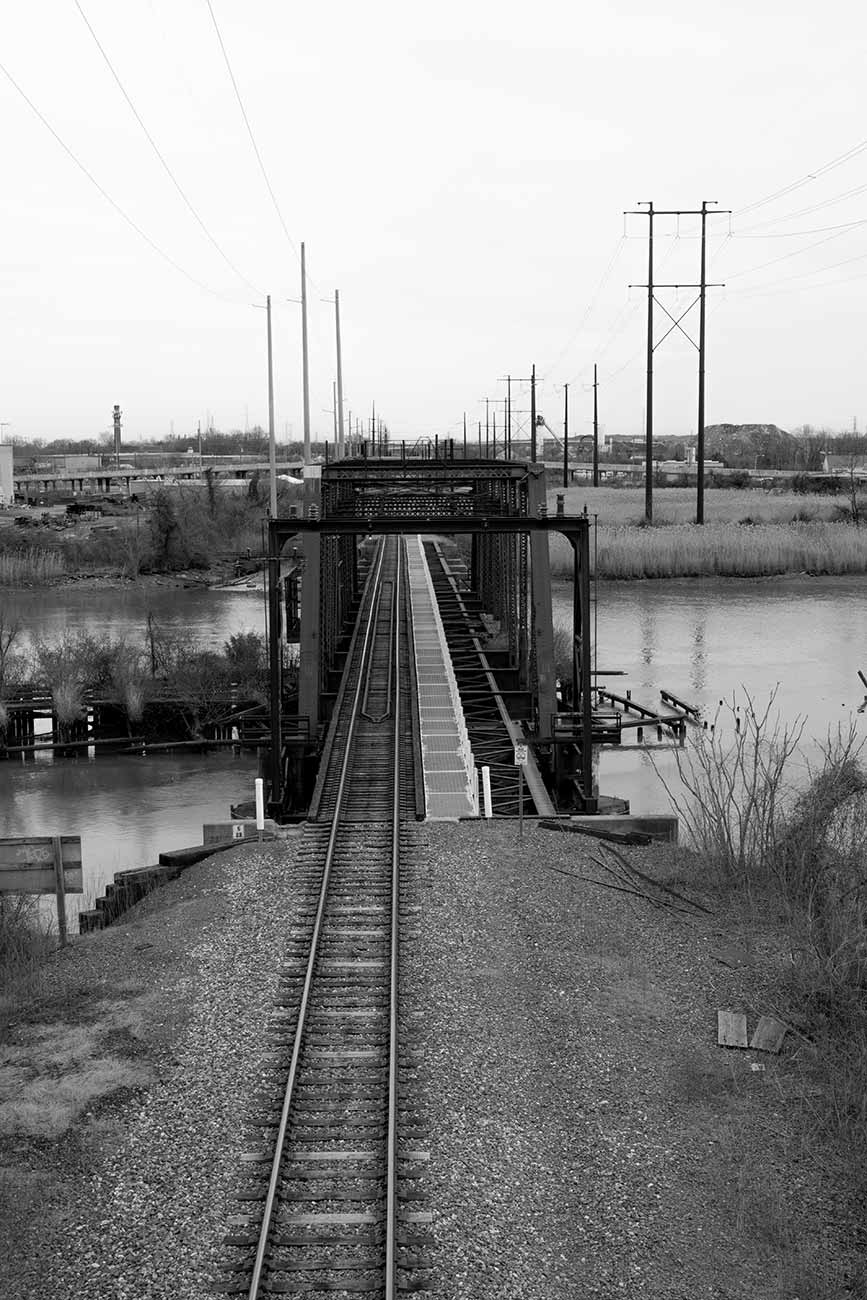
[238, 831]
[520, 755]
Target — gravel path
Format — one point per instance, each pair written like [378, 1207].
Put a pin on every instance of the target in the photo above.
[588, 1137]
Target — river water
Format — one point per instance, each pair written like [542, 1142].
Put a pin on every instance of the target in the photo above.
[709, 641]
[704, 641]
[128, 809]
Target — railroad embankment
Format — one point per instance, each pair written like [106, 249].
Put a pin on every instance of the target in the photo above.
[587, 1134]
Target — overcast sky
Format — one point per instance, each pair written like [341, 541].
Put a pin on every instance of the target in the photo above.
[460, 172]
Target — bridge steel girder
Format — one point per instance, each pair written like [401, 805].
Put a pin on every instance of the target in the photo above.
[501, 506]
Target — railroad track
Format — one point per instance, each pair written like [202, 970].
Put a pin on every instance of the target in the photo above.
[487, 720]
[331, 1199]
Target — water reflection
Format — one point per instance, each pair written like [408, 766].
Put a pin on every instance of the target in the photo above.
[698, 659]
[709, 641]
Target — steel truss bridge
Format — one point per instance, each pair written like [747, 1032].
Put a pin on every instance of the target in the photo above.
[494, 512]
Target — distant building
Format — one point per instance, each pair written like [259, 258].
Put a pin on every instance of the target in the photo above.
[841, 465]
[5, 474]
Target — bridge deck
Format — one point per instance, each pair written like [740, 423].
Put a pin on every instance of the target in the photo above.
[447, 758]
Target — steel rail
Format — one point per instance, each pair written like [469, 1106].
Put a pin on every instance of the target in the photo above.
[271, 1196]
[391, 1180]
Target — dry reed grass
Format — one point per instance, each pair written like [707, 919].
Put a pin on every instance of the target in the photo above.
[30, 566]
[720, 550]
[677, 505]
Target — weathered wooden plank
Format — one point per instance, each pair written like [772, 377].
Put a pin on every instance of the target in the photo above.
[731, 1029]
[769, 1035]
[28, 864]
[40, 881]
[33, 851]
[226, 832]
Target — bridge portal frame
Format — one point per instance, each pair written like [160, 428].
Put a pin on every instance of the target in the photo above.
[576, 530]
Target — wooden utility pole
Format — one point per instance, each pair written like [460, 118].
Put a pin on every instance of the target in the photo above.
[272, 448]
[565, 435]
[533, 415]
[304, 365]
[341, 450]
[595, 429]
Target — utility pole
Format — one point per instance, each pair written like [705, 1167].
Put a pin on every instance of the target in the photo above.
[465, 435]
[675, 324]
[334, 404]
[272, 448]
[595, 430]
[565, 435]
[304, 363]
[495, 435]
[533, 415]
[341, 450]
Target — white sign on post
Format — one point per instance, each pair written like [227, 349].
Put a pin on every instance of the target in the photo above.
[238, 831]
[521, 754]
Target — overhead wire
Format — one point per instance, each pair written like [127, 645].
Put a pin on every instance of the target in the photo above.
[814, 175]
[590, 305]
[256, 151]
[166, 257]
[160, 156]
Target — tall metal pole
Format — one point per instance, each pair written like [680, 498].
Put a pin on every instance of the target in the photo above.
[509, 415]
[487, 423]
[465, 435]
[533, 415]
[565, 435]
[272, 446]
[648, 450]
[595, 429]
[334, 421]
[699, 497]
[341, 449]
[305, 371]
[495, 434]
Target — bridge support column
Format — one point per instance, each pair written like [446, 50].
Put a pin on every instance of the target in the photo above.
[275, 648]
[582, 660]
[540, 592]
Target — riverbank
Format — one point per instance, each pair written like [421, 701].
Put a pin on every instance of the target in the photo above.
[587, 1135]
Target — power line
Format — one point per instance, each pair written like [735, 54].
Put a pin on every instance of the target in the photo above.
[105, 194]
[292, 243]
[785, 256]
[591, 304]
[811, 208]
[159, 155]
[814, 175]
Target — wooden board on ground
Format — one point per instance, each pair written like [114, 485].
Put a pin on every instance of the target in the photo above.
[731, 1029]
[769, 1035]
[27, 865]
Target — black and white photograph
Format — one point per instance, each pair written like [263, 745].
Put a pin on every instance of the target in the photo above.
[433, 651]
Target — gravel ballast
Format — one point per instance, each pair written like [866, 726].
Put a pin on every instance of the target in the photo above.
[587, 1135]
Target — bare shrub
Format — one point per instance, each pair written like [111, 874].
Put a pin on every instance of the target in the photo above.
[735, 791]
